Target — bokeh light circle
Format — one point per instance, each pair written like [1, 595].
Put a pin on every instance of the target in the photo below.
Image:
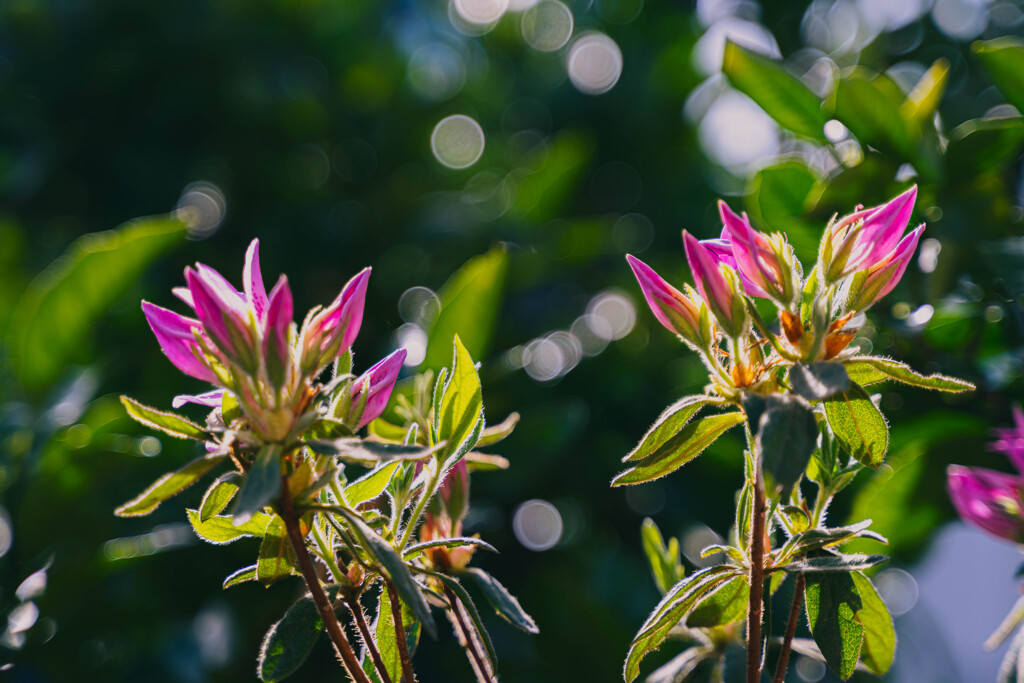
[547, 26]
[538, 525]
[457, 141]
[595, 63]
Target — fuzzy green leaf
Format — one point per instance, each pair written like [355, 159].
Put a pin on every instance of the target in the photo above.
[687, 444]
[169, 485]
[879, 635]
[503, 602]
[495, 433]
[242, 575]
[384, 636]
[726, 605]
[866, 370]
[221, 529]
[289, 642]
[371, 485]
[666, 565]
[858, 425]
[277, 557]
[219, 495]
[832, 604]
[782, 95]
[474, 615]
[681, 666]
[672, 608]
[461, 409]
[834, 563]
[456, 542]
[786, 436]
[668, 424]
[818, 381]
[169, 423]
[394, 568]
[262, 483]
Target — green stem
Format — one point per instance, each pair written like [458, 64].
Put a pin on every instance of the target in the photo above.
[327, 553]
[421, 504]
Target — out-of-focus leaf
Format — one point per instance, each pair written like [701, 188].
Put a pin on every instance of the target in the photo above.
[665, 562]
[778, 197]
[1002, 58]
[503, 602]
[219, 495]
[541, 194]
[62, 304]
[681, 666]
[686, 445]
[169, 485]
[879, 635]
[289, 642]
[832, 603]
[869, 105]
[168, 423]
[859, 426]
[724, 606]
[787, 434]
[782, 95]
[923, 101]
[817, 381]
[222, 529]
[874, 369]
[470, 303]
[371, 485]
[981, 145]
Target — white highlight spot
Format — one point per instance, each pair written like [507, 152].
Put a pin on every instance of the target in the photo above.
[457, 141]
[480, 12]
[537, 524]
[547, 26]
[413, 339]
[201, 208]
[595, 63]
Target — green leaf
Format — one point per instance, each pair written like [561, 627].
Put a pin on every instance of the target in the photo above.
[168, 423]
[470, 304]
[219, 495]
[169, 485]
[832, 604]
[783, 96]
[787, 434]
[277, 557]
[681, 666]
[242, 575]
[495, 433]
[680, 449]
[384, 635]
[901, 373]
[461, 409]
[393, 567]
[262, 483]
[371, 485]
[503, 602]
[371, 453]
[923, 101]
[858, 425]
[726, 605]
[670, 611]
[61, 306]
[778, 198]
[981, 145]
[869, 105]
[834, 563]
[455, 542]
[879, 647]
[1002, 58]
[289, 642]
[666, 565]
[818, 380]
[474, 614]
[668, 424]
[221, 529]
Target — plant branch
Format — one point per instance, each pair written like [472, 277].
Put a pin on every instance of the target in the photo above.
[403, 648]
[357, 614]
[316, 591]
[794, 618]
[755, 605]
[421, 504]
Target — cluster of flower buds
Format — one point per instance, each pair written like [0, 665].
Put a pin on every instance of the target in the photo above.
[246, 343]
[861, 259]
[990, 500]
[444, 519]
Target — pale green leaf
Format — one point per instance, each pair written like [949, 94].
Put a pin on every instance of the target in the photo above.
[858, 425]
[169, 485]
[879, 635]
[167, 422]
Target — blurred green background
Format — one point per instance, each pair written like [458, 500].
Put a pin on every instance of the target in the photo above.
[606, 126]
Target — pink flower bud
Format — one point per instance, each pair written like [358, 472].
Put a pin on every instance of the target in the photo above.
[867, 237]
[177, 340]
[379, 381]
[988, 499]
[278, 320]
[331, 331]
[716, 290]
[224, 314]
[252, 281]
[868, 286]
[455, 491]
[754, 258]
[671, 307]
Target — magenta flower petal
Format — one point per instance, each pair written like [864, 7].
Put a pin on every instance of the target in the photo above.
[223, 312]
[987, 499]
[901, 257]
[175, 335]
[185, 295]
[883, 229]
[331, 331]
[670, 306]
[252, 281]
[1010, 441]
[380, 381]
[211, 399]
[275, 335]
[711, 284]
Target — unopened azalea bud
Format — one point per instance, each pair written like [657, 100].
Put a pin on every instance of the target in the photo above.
[455, 491]
[766, 263]
[988, 499]
[224, 314]
[718, 285]
[870, 285]
[252, 281]
[673, 309]
[277, 323]
[865, 238]
[371, 391]
[331, 331]
[176, 335]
